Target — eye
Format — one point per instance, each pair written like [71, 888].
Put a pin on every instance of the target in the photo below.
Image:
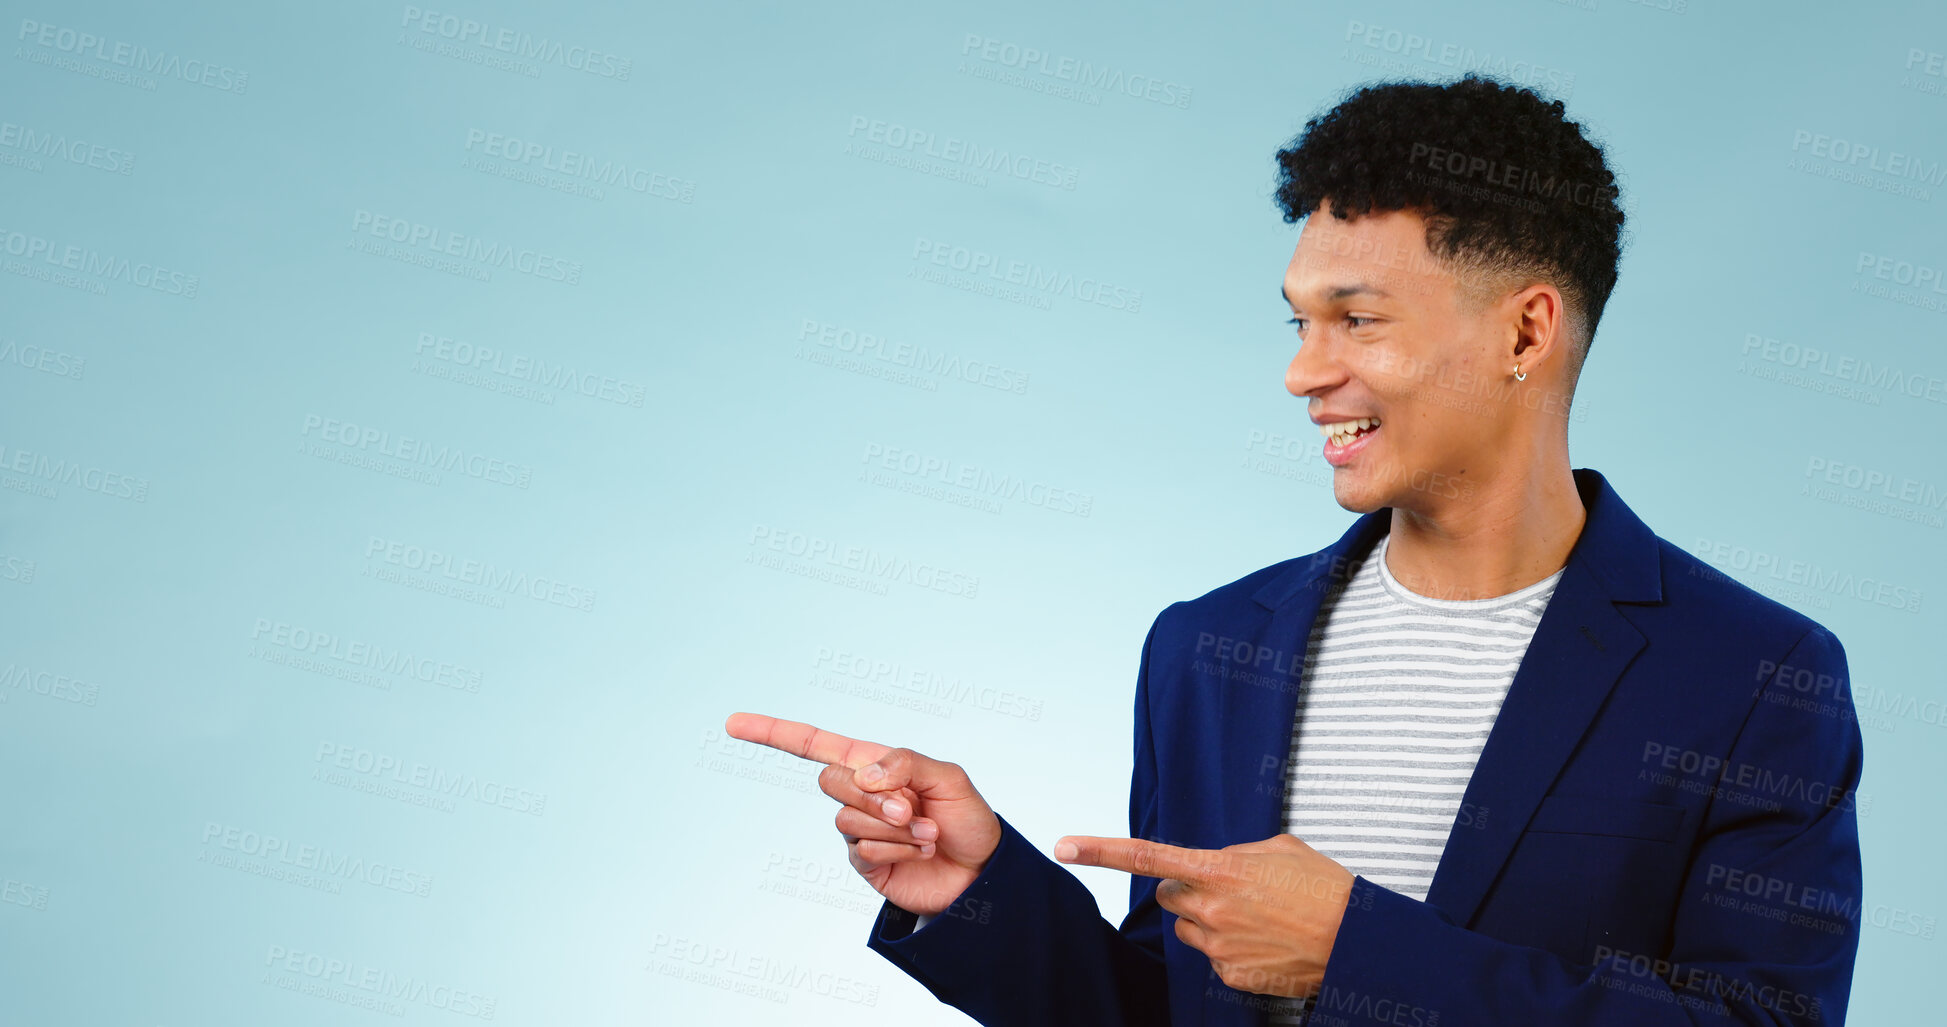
[1352, 320]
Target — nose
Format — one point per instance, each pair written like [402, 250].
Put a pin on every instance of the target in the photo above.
[1312, 370]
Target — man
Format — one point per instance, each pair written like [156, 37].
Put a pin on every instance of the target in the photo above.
[1499, 755]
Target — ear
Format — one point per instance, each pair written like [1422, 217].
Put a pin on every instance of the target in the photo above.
[1540, 326]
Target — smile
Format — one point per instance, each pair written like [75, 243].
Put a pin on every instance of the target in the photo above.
[1344, 438]
[1345, 431]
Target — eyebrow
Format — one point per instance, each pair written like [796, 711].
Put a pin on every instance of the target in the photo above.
[1339, 292]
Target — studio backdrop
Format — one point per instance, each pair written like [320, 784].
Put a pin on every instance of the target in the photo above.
[421, 425]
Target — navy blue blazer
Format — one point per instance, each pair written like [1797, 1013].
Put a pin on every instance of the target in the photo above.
[1662, 827]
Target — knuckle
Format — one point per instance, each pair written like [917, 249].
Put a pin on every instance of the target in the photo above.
[882, 852]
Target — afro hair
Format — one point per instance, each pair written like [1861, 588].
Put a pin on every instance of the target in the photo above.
[1511, 190]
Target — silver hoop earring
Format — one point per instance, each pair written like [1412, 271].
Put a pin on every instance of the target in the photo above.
[1518, 376]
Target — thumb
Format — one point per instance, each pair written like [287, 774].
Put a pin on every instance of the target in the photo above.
[903, 768]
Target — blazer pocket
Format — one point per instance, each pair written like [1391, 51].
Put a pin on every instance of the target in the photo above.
[1619, 818]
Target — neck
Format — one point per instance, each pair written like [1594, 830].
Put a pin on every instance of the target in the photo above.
[1515, 529]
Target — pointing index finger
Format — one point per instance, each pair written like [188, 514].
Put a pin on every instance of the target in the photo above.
[1139, 857]
[803, 740]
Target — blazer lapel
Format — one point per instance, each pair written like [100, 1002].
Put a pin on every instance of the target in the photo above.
[1257, 715]
[1580, 649]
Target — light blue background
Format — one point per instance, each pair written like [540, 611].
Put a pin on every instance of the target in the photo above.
[648, 840]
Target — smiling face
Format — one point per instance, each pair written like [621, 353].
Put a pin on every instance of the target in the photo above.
[1390, 335]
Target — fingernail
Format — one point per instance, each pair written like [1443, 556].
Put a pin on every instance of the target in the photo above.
[1066, 851]
[873, 773]
[894, 808]
[926, 830]
[926, 850]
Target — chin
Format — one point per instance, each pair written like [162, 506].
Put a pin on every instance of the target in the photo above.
[1354, 498]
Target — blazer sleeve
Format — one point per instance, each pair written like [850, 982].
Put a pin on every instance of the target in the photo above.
[1025, 944]
[1397, 957]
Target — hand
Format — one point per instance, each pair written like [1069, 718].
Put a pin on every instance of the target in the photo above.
[1266, 913]
[917, 832]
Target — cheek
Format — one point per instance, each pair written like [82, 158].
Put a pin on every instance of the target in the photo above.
[1389, 370]
[1401, 382]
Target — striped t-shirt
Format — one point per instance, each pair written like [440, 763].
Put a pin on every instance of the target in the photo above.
[1399, 693]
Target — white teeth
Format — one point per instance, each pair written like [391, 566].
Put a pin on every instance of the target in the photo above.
[1342, 432]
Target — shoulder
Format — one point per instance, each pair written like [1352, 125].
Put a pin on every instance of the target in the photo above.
[1235, 606]
[1717, 637]
[1713, 601]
